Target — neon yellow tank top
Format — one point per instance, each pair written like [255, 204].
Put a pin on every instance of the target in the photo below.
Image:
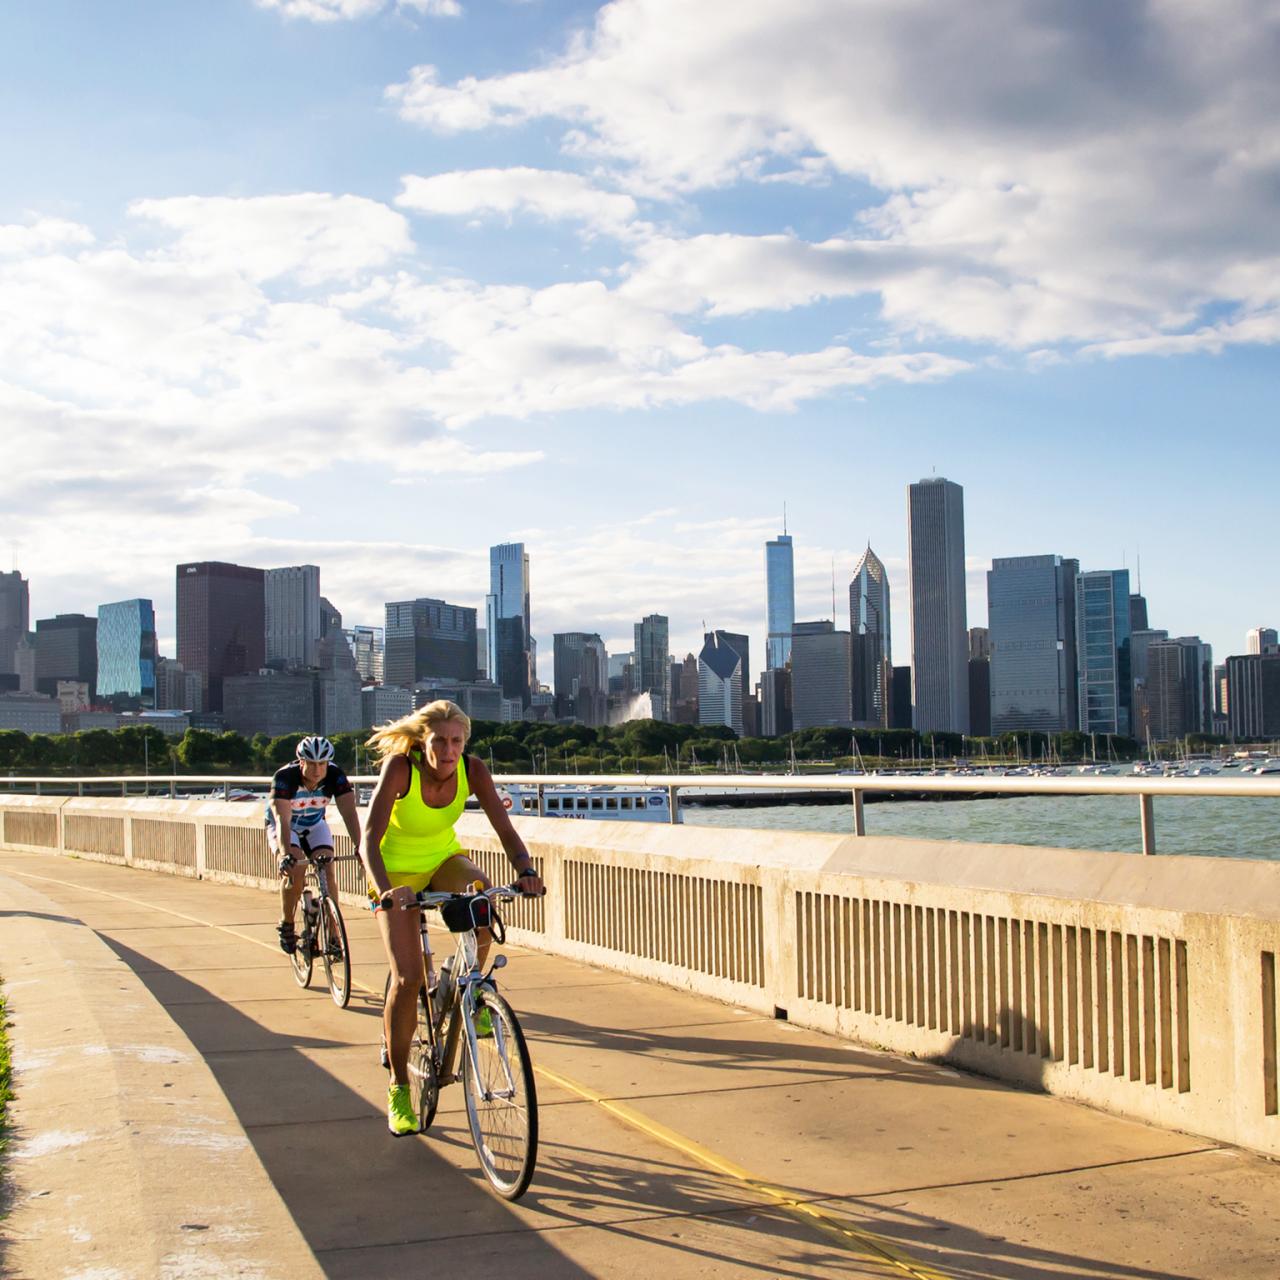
[418, 837]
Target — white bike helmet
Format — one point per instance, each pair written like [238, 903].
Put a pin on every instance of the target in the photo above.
[316, 749]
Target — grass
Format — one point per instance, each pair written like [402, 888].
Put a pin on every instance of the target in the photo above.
[6, 1086]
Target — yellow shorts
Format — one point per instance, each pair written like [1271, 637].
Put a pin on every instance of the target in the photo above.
[416, 880]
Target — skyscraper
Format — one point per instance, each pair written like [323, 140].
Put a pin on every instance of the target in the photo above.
[507, 621]
[15, 617]
[939, 640]
[581, 677]
[428, 639]
[1031, 617]
[741, 645]
[221, 624]
[1103, 651]
[1140, 642]
[368, 648]
[652, 663]
[67, 649]
[780, 600]
[820, 676]
[127, 651]
[719, 683]
[291, 607]
[869, 642]
[1260, 640]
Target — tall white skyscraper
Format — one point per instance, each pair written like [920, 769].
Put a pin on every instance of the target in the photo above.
[507, 622]
[939, 625]
[780, 600]
[869, 641]
[291, 601]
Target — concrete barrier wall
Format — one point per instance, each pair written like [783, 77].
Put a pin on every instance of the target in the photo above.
[1146, 986]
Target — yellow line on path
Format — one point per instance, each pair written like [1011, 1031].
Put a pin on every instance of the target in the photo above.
[870, 1246]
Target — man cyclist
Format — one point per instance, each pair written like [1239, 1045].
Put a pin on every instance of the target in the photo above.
[299, 793]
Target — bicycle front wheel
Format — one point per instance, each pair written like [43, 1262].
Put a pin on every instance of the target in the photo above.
[336, 954]
[424, 1078]
[303, 955]
[502, 1102]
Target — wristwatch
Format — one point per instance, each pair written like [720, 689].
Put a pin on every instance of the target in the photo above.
[528, 871]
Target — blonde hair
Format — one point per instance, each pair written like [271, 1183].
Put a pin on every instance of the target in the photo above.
[409, 732]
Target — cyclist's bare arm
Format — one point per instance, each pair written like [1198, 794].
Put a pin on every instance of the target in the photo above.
[283, 810]
[393, 781]
[500, 820]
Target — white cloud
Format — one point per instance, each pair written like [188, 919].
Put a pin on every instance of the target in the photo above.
[1057, 173]
[543, 193]
[323, 10]
[317, 237]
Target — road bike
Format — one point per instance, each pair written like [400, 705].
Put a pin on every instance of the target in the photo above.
[323, 931]
[451, 1041]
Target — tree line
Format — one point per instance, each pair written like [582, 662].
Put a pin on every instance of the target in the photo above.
[639, 746]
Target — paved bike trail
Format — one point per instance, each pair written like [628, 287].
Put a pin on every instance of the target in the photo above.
[680, 1136]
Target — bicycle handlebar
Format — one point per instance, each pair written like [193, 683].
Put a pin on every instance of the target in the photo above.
[432, 900]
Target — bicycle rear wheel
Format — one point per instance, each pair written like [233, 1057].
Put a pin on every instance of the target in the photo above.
[303, 956]
[502, 1101]
[336, 954]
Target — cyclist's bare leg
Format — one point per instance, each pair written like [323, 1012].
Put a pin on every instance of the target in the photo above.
[291, 881]
[403, 944]
[454, 876]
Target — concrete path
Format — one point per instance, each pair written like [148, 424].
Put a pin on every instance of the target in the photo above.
[680, 1137]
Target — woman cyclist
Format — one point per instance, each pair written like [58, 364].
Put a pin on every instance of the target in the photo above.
[410, 845]
[299, 793]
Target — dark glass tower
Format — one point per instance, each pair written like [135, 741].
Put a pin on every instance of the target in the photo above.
[221, 623]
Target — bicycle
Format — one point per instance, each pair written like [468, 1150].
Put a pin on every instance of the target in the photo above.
[496, 1072]
[323, 932]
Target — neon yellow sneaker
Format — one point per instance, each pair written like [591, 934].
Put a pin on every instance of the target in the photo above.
[484, 1023]
[402, 1120]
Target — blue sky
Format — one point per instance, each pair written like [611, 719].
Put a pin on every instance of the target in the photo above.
[376, 283]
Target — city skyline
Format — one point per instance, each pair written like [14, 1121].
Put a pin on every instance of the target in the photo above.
[374, 286]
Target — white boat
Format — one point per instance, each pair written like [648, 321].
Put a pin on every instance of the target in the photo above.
[599, 801]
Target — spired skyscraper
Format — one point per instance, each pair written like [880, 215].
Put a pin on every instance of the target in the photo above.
[780, 601]
[507, 623]
[939, 626]
[869, 642]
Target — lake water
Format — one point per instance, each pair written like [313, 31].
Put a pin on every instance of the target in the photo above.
[1208, 825]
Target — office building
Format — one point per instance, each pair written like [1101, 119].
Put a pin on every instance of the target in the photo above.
[480, 699]
[177, 689]
[1031, 634]
[291, 612]
[1253, 696]
[820, 676]
[221, 624]
[1138, 612]
[780, 600]
[684, 690]
[900, 708]
[507, 622]
[1140, 643]
[382, 703]
[338, 684]
[271, 702]
[368, 648]
[67, 649]
[1261, 640]
[30, 713]
[15, 617]
[429, 639]
[720, 677]
[1197, 675]
[24, 663]
[1179, 688]
[939, 640]
[980, 682]
[1104, 678]
[870, 642]
[127, 652]
[741, 645]
[651, 663]
[581, 677]
[775, 702]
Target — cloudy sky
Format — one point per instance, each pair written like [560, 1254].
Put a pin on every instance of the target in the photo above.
[374, 284]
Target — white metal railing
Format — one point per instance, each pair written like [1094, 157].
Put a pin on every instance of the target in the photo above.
[856, 786]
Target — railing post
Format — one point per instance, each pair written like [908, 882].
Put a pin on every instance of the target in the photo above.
[1148, 822]
[859, 824]
[79, 788]
[226, 791]
[173, 788]
[541, 806]
[673, 805]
